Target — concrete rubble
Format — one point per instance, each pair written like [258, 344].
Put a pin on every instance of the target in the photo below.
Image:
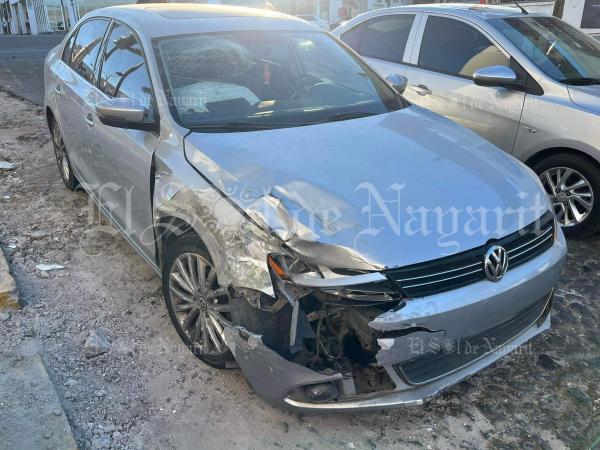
[97, 343]
[9, 297]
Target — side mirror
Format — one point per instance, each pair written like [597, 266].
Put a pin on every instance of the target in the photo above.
[495, 76]
[398, 82]
[124, 113]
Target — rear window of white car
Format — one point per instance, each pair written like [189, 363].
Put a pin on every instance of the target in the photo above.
[381, 38]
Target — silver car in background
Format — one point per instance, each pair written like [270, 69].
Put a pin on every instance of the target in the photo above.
[529, 83]
[308, 223]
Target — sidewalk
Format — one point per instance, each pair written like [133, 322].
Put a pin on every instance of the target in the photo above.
[31, 415]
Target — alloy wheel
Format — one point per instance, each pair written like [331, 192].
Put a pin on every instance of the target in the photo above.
[570, 193]
[199, 303]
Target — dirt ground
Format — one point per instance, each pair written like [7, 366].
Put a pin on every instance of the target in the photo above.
[149, 391]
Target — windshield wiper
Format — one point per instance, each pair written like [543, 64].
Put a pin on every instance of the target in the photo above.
[580, 81]
[349, 115]
[253, 126]
[233, 126]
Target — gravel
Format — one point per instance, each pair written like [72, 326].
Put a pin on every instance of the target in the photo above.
[147, 390]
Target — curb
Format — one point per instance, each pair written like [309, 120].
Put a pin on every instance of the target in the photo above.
[9, 296]
[31, 415]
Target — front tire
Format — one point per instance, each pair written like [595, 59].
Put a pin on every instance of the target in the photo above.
[62, 158]
[195, 300]
[572, 183]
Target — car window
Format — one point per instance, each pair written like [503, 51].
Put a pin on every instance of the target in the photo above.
[68, 50]
[456, 48]
[123, 72]
[86, 47]
[382, 38]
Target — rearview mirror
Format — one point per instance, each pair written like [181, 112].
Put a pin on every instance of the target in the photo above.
[398, 82]
[124, 113]
[495, 76]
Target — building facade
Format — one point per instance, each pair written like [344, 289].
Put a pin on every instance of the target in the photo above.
[51, 16]
[46, 16]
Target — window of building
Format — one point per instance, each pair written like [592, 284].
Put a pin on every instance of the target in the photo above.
[86, 47]
[123, 72]
[456, 48]
[382, 38]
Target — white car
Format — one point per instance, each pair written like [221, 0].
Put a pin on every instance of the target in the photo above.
[529, 83]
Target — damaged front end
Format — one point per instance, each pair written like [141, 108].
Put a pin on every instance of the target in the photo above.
[325, 316]
[332, 340]
[312, 342]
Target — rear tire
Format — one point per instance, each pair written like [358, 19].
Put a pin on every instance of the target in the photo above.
[195, 301]
[573, 184]
[62, 157]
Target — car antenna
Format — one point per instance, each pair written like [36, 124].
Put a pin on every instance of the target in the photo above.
[523, 10]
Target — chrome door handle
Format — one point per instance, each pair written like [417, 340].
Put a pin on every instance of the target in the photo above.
[57, 89]
[89, 119]
[421, 89]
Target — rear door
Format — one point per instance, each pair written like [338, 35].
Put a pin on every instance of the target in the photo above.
[76, 93]
[122, 158]
[385, 42]
[447, 52]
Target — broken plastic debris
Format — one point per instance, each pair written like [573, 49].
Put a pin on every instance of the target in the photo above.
[5, 165]
[47, 267]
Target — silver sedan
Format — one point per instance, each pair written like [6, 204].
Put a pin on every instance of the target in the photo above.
[346, 249]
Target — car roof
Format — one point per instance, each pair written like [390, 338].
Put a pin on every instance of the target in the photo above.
[466, 10]
[165, 19]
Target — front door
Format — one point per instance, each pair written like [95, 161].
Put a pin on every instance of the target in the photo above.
[441, 79]
[75, 92]
[122, 158]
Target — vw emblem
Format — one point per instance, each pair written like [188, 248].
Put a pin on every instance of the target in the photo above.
[495, 263]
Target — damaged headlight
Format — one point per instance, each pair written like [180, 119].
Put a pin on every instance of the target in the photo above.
[288, 268]
[330, 286]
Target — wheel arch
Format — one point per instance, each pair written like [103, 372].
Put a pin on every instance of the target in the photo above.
[49, 116]
[540, 155]
[170, 227]
[591, 225]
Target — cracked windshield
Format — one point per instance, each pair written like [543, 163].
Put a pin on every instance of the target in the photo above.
[251, 80]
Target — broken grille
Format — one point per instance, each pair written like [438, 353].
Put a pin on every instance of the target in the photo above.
[452, 272]
[457, 354]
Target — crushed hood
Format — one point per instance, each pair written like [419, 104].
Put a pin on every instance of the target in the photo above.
[586, 96]
[348, 194]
